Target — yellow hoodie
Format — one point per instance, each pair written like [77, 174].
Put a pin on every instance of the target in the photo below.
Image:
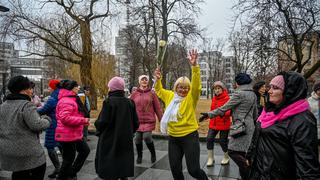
[187, 123]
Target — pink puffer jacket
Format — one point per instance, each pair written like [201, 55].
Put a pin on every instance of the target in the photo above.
[70, 121]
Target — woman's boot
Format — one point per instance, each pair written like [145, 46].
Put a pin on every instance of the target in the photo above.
[55, 161]
[139, 152]
[152, 151]
[210, 161]
[225, 159]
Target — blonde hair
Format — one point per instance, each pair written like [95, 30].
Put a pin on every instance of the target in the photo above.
[181, 80]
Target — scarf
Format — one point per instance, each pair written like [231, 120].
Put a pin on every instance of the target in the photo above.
[171, 113]
[269, 118]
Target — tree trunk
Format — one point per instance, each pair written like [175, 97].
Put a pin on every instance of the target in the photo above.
[86, 60]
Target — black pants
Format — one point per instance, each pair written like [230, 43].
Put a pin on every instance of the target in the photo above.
[223, 139]
[71, 164]
[239, 158]
[30, 174]
[189, 146]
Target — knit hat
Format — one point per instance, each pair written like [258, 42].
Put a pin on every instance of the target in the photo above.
[53, 83]
[18, 83]
[116, 83]
[68, 84]
[219, 83]
[316, 86]
[278, 81]
[243, 78]
[143, 76]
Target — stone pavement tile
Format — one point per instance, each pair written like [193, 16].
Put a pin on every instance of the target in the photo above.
[92, 155]
[161, 144]
[229, 171]
[146, 158]
[155, 174]
[137, 172]
[213, 171]
[5, 174]
[5, 178]
[162, 164]
[88, 168]
[82, 176]
[226, 178]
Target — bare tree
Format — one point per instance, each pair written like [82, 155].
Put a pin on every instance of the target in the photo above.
[213, 51]
[60, 29]
[241, 45]
[168, 20]
[289, 24]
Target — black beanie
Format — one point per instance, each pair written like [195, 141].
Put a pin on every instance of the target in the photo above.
[316, 86]
[18, 83]
[243, 78]
[68, 84]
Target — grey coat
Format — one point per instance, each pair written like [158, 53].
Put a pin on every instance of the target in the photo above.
[240, 102]
[20, 124]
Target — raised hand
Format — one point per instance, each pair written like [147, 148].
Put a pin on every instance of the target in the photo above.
[193, 57]
[157, 73]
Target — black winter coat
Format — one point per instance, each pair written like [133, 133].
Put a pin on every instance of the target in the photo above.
[116, 124]
[288, 149]
[283, 152]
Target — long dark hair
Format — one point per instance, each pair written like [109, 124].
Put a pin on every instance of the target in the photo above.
[69, 85]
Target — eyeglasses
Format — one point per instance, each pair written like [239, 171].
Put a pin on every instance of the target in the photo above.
[183, 87]
[144, 79]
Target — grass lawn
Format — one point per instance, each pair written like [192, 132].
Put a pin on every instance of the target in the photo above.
[203, 106]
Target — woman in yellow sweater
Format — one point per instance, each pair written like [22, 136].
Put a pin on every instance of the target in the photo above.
[180, 123]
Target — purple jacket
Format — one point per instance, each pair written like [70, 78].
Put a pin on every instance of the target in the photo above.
[70, 121]
[147, 106]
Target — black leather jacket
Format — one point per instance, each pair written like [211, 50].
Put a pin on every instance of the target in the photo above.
[287, 150]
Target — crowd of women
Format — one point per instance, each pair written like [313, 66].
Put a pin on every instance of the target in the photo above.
[269, 132]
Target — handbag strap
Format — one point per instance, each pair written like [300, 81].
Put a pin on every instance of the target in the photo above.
[248, 112]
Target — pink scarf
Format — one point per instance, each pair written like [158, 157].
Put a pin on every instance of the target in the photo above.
[269, 118]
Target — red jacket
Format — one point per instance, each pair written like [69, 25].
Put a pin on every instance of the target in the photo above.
[218, 122]
[147, 107]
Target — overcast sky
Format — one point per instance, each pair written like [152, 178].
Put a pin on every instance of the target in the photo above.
[216, 16]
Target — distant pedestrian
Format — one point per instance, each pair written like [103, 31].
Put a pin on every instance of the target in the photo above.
[49, 108]
[259, 89]
[20, 126]
[180, 122]
[87, 104]
[148, 107]
[71, 119]
[219, 124]
[285, 145]
[35, 98]
[116, 124]
[314, 102]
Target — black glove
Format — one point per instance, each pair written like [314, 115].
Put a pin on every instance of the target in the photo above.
[203, 117]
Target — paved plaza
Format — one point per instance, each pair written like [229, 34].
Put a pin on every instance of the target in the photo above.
[160, 170]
